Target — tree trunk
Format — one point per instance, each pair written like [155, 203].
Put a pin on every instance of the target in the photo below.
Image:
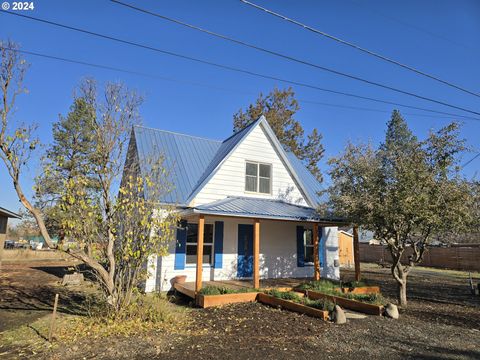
[400, 274]
[402, 291]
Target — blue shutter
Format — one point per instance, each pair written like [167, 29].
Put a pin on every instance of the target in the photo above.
[218, 245]
[181, 246]
[300, 247]
[321, 247]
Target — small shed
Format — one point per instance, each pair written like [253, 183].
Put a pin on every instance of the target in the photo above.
[4, 215]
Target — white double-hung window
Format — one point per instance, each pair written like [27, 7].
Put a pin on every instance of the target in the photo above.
[258, 177]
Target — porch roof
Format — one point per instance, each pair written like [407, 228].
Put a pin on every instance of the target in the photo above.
[261, 209]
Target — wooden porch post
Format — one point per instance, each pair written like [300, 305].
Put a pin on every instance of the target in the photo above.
[256, 253]
[356, 253]
[316, 260]
[198, 275]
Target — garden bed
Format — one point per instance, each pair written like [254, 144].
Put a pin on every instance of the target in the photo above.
[352, 304]
[216, 296]
[292, 306]
[206, 301]
[359, 290]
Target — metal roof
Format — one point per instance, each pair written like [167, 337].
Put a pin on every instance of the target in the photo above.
[186, 158]
[259, 208]
[8, 213]
[310, 182]
[192, 161]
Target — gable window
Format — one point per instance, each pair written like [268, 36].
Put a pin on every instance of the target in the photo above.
[258, 177]
[192, 237]
[308, 245]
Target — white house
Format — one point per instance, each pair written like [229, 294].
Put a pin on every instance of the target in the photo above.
[253, 201]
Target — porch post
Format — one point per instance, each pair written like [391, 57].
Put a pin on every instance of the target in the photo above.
[256, 253]
[198, 275]
[316, 260]
[356, 253]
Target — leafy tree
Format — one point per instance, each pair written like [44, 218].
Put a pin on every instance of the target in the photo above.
[407, 191]
[279, 107]
[115, 226]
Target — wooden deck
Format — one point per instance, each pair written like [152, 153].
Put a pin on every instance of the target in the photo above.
[188, 288]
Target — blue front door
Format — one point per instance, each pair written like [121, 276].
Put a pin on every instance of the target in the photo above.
[245, 251]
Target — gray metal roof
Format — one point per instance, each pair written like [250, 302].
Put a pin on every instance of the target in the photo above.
[310, 182]
[8, 213]
[259, 208]
[186, 158]
[192, 161]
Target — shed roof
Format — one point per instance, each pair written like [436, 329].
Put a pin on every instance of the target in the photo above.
[8, 213]
[260, 208]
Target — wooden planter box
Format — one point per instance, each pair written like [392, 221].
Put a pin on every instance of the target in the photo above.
[184, 290]
[292, 306]
[216, 300]
[355, 305]
[360, 290]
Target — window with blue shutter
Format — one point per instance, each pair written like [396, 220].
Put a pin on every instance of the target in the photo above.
[218, 245]
[180, 246]
[300, 247]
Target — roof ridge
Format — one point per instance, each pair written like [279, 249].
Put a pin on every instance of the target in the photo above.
[240, 131]
[177, 133]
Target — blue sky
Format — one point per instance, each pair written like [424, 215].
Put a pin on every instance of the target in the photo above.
[439, 37]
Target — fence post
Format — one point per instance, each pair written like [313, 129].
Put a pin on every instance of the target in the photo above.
[52, 323]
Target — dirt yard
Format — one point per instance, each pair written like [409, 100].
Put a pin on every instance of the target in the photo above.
[442, 322]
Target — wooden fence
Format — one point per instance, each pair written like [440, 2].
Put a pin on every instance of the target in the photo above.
[457, 258]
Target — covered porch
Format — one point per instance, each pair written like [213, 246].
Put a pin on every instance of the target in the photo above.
[260, 214]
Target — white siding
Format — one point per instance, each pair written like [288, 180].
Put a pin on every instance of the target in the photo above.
[229, 180]
[278, 255]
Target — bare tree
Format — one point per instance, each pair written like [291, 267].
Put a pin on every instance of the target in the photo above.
[119, 225]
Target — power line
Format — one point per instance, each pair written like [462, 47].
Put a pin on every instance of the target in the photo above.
[342, 106]
[410, 25]
[359, 48]
[469, 161]
[287, 57]
[126, 71]
[154, 76]
[291, 82]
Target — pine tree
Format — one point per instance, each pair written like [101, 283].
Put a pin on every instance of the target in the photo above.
[279, 107]
[68, 158]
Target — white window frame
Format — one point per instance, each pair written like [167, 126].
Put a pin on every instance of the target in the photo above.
[305, 246]
[257, 163]
[204, 244]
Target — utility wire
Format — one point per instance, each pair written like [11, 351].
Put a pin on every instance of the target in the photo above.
[362, 4]
[359, 48]
[287, 57]
[291, 82]
[471, 160]
[164, 78]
